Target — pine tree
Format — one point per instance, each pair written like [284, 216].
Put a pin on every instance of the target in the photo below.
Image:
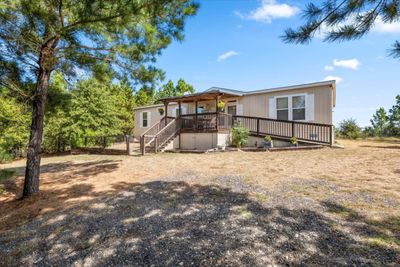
[38, 37]
[379, 122]
[344, 20]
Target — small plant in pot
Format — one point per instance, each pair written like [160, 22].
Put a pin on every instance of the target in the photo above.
[293, 141]
[268, 143]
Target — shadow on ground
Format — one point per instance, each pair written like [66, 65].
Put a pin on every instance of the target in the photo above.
[174, 223]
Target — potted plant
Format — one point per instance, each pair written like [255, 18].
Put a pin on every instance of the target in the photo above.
[268, 142]
[221, 106]
[161, 111]
[293, 141]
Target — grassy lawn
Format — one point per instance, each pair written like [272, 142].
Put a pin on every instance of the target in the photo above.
[317, 207]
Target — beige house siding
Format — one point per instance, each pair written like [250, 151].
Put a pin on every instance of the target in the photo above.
[258, 104]
[255, 104]
[155, 117]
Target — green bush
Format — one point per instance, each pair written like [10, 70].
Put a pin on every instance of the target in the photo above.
[240, 135]
[349, 129]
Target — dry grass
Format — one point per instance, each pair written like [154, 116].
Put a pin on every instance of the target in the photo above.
[364, 177]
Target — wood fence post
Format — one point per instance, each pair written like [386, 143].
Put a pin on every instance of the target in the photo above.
[128, 149]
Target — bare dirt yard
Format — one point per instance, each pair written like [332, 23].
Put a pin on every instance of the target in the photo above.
[318, 207]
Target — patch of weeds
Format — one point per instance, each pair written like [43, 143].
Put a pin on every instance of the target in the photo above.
[340, 210]
[383, 241]
[85, 244]
[248, 180]
[24, 249]
[6, 174]
[216, 193]
[260, 197]
[245, 213]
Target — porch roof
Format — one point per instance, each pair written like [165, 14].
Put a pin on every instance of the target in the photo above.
[206, 95]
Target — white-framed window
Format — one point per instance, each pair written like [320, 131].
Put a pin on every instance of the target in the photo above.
[299, 108]
[282, 108]
[291, 107]
[145, 119]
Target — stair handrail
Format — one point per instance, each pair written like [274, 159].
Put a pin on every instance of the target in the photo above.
[177, 124]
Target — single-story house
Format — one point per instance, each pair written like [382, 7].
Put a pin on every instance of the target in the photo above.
[204, 120]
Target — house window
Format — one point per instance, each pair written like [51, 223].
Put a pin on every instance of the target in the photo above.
[232, 110]
[282, 108]
[291, 107]
[299, 107]
[200, 109]
[145, 119]
[177, 113]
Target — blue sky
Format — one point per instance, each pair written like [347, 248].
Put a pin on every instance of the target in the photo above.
[235, 44]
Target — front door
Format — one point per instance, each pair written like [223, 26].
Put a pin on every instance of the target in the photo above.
[232, 110]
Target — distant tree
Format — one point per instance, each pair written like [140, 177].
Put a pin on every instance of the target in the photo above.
[93, 110]
[145, 96]
[344, 20]
[38, 37]
[379, 122]
[394, 118]
[349, 129]
[169, 89]
[368, 131]
[125, 102]
[57, 120]
[183, 88]
[14, 127]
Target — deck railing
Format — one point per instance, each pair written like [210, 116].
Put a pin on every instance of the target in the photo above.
[303, 131]
[166, 134]
[148, 136]
[160, 134]
[206, 121]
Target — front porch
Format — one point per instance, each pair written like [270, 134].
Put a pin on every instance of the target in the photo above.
[202, 122]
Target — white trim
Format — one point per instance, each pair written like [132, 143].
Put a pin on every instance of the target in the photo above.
[148, 119]
[290, 107]
[293, 87]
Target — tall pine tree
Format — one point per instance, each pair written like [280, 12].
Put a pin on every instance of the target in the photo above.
[38, 37]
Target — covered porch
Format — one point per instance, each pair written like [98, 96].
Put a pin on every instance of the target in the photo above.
[210, 111]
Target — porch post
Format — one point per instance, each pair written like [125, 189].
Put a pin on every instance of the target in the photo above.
[180, 108]
[216, 112]
[166, 113]
[195, 111]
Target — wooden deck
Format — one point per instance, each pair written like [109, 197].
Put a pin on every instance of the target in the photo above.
[159, 135]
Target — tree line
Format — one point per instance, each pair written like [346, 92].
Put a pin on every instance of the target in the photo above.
[383, 124]
[80, 114]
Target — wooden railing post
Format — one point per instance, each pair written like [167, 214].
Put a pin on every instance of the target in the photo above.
[258, 126]
[216, 120]
[155, 144]
[331, 135]
[293, 129]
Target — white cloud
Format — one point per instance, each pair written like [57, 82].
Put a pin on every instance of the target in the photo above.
[329, 68]
[336, 78]
[382, 27]
[379, 27]
[347, 64]
[269, 10]
[227, 55]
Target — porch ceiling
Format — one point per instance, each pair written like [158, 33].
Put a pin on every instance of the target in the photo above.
[204, 96]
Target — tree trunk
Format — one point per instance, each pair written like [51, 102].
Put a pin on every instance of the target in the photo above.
[32, 170]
